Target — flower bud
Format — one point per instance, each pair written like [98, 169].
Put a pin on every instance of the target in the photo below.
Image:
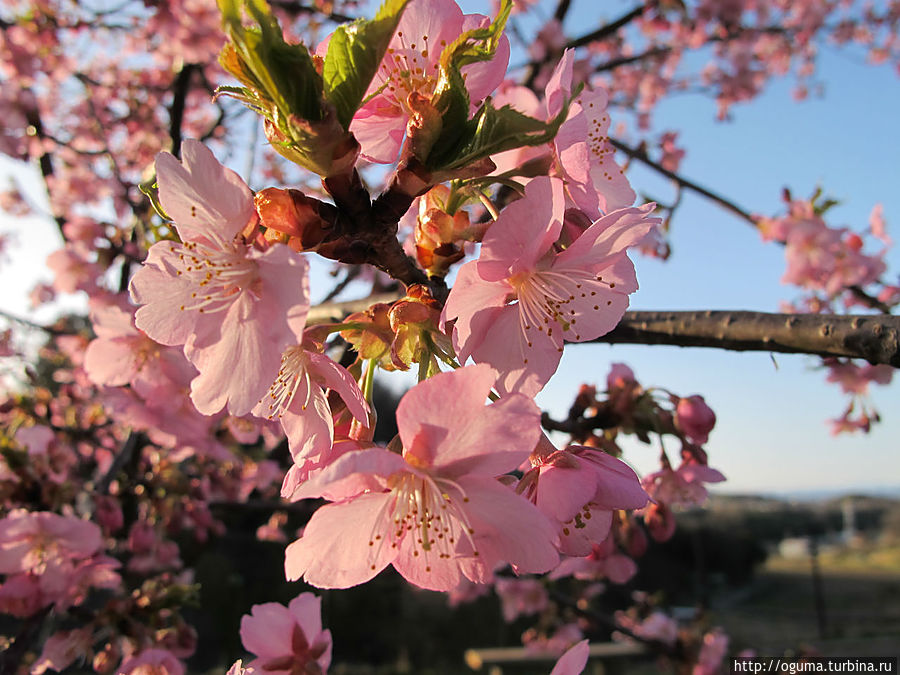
[695, 418]
[305, 221]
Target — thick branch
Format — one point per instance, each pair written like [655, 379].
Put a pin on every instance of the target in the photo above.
[873, 338]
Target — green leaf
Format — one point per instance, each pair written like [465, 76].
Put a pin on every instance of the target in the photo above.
[451, 98]
[283, 72]
[354, 54]
[494, 130]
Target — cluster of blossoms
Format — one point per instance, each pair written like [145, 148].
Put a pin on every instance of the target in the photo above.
[208, 379]
[830, 266]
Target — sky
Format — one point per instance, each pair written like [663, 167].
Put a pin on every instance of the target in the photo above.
[772, 433]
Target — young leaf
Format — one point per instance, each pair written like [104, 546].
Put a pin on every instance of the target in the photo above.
[284, 73]
[494, 130]
[451, 98]
[354, 53]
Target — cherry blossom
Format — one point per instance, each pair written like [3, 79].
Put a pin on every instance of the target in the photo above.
[234, 308]
[435, 512]
[410, 68]
[694, 418]
[287, 640]
[579, 488]
[516, 305]
[297, 399]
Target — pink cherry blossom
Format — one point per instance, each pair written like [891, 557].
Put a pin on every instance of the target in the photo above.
[233, 307]
[695, 418]
[120, 350]
[605, 561]
[61, 649]
[657, 626]
[684, 487]
[521, 299]
[521, 596]
[585, 157]
[31, 541]
[579, 488]
[434, 512]
[411, 67]
[298, 399]
[287, 640]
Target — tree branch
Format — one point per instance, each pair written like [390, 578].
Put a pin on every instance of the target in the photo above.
[728, 205]
[181, 85]
[875, 338]
[607, 29]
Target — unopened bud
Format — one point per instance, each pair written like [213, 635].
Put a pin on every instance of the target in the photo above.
[306, 221]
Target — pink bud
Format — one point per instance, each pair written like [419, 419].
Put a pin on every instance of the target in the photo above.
[695, 418]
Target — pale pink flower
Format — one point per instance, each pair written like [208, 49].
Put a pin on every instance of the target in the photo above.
[585, 156]
[579, 488]
[521, 596]
[31, 541]
[681, 487]
[233, 307]
[298, 400]
[605, 561]
[411, 67]
[120, 350]
[657, 626]
[562, 639]
[517, 304]
[61, 649]
[574, 660]
[287, 640]
[436, 512]
[878, 226]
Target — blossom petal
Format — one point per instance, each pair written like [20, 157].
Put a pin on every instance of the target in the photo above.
[205, 199]
[490, 439]
[339, 380]
[353, 473]
[472, 297]
[507, 527]
[525, 230]
[573, 661]
[339, 548]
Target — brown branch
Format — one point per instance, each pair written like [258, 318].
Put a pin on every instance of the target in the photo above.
[612, 64]
[296, 8]
[875, 338]
[609, 28]
[181, 86]
[726, 204]
[604, 31]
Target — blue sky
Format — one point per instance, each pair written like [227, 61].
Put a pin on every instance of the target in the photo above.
[772, 433]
